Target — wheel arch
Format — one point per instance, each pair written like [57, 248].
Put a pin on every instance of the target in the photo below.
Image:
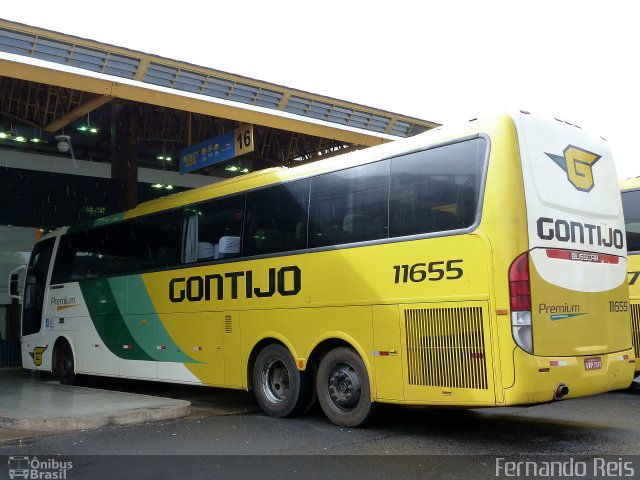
[57, 345]
[269, 338]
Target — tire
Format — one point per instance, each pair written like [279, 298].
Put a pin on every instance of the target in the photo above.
[343, 387]
[280, 388]
[65, 367]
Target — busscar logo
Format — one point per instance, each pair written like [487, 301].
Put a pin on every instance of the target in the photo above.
[577, 163]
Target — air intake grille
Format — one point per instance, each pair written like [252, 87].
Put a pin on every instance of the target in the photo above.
[228, 324]
[445, 347]
[635, 328]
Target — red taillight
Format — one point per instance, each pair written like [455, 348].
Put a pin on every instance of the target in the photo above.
[519, 286]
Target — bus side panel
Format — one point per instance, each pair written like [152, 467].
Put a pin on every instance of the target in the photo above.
[202, 313]
[634, 303]
[447, 276]
[387, 357]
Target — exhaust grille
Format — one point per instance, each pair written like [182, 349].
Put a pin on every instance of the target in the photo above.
[445, 347]
[228, 324]
[635, 328]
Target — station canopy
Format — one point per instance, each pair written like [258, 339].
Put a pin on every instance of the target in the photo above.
[54, 84]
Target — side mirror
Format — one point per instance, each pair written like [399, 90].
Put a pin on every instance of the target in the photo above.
[14, 282]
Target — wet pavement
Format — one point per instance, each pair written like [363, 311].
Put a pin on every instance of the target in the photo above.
[35, 403]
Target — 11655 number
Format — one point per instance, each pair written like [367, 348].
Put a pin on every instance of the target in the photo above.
[432, 271]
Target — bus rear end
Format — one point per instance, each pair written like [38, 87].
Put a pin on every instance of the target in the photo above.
[630, 190]
[568, 292]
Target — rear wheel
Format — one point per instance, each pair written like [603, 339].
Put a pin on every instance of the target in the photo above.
[280, 388]
[343, 387]
[65, 365]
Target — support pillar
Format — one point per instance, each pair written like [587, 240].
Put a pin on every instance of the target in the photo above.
[124, 154]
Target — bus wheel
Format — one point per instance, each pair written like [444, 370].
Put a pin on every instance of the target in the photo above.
[343, 387]
[65, 365]
[280, 388]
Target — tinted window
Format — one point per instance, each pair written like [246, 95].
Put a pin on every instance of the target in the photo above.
[350, 205]
[143, 243]
[155, 240]
[631, 207]
[219, 228]
[436, 190]
[277, 219]
[77, 258]
[34, 288]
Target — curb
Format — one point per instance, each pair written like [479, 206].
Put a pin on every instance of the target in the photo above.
[179, 409]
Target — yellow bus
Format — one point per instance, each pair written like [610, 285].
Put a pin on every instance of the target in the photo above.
[631, 206]
[478, 264]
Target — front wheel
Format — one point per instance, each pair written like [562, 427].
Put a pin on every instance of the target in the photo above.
[280, 388]
[343, 387]
[66, 365]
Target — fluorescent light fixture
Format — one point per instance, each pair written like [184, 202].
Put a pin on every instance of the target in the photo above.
[4, 135]
[20, 139]
[85, 127]
[162, 185]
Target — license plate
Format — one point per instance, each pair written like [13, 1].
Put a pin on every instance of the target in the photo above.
[593, 363]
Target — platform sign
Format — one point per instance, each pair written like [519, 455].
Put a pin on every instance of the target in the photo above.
[216, 150]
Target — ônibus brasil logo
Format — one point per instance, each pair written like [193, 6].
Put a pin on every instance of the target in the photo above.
[577, 163]
[34, 468]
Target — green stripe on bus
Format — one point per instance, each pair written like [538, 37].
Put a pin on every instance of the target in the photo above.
[141, 326]
[102, 302]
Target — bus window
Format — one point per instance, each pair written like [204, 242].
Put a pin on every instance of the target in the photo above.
[34, 289]
[436, 190]
[631, 207]
[277, 218]
[218, 230]
[350, 205]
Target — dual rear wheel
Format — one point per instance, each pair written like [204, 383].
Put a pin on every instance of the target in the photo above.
[341, 385]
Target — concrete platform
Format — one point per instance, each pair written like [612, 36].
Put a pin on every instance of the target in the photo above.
[31, 403]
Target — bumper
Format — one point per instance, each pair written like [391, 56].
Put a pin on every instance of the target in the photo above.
[538, 377]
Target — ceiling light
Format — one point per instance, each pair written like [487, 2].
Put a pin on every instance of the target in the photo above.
[20, 139]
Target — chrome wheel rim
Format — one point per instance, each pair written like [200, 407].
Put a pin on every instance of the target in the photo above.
[275, 381]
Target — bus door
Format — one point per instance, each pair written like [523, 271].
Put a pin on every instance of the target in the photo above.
[34, 349]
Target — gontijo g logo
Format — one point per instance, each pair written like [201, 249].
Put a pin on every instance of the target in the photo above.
[577, 163]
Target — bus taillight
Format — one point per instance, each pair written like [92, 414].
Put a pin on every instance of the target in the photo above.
[520, 298]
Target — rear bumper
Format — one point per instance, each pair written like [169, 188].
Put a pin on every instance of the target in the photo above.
[538, 377]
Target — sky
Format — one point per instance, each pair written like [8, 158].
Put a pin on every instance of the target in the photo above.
[442, 61]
